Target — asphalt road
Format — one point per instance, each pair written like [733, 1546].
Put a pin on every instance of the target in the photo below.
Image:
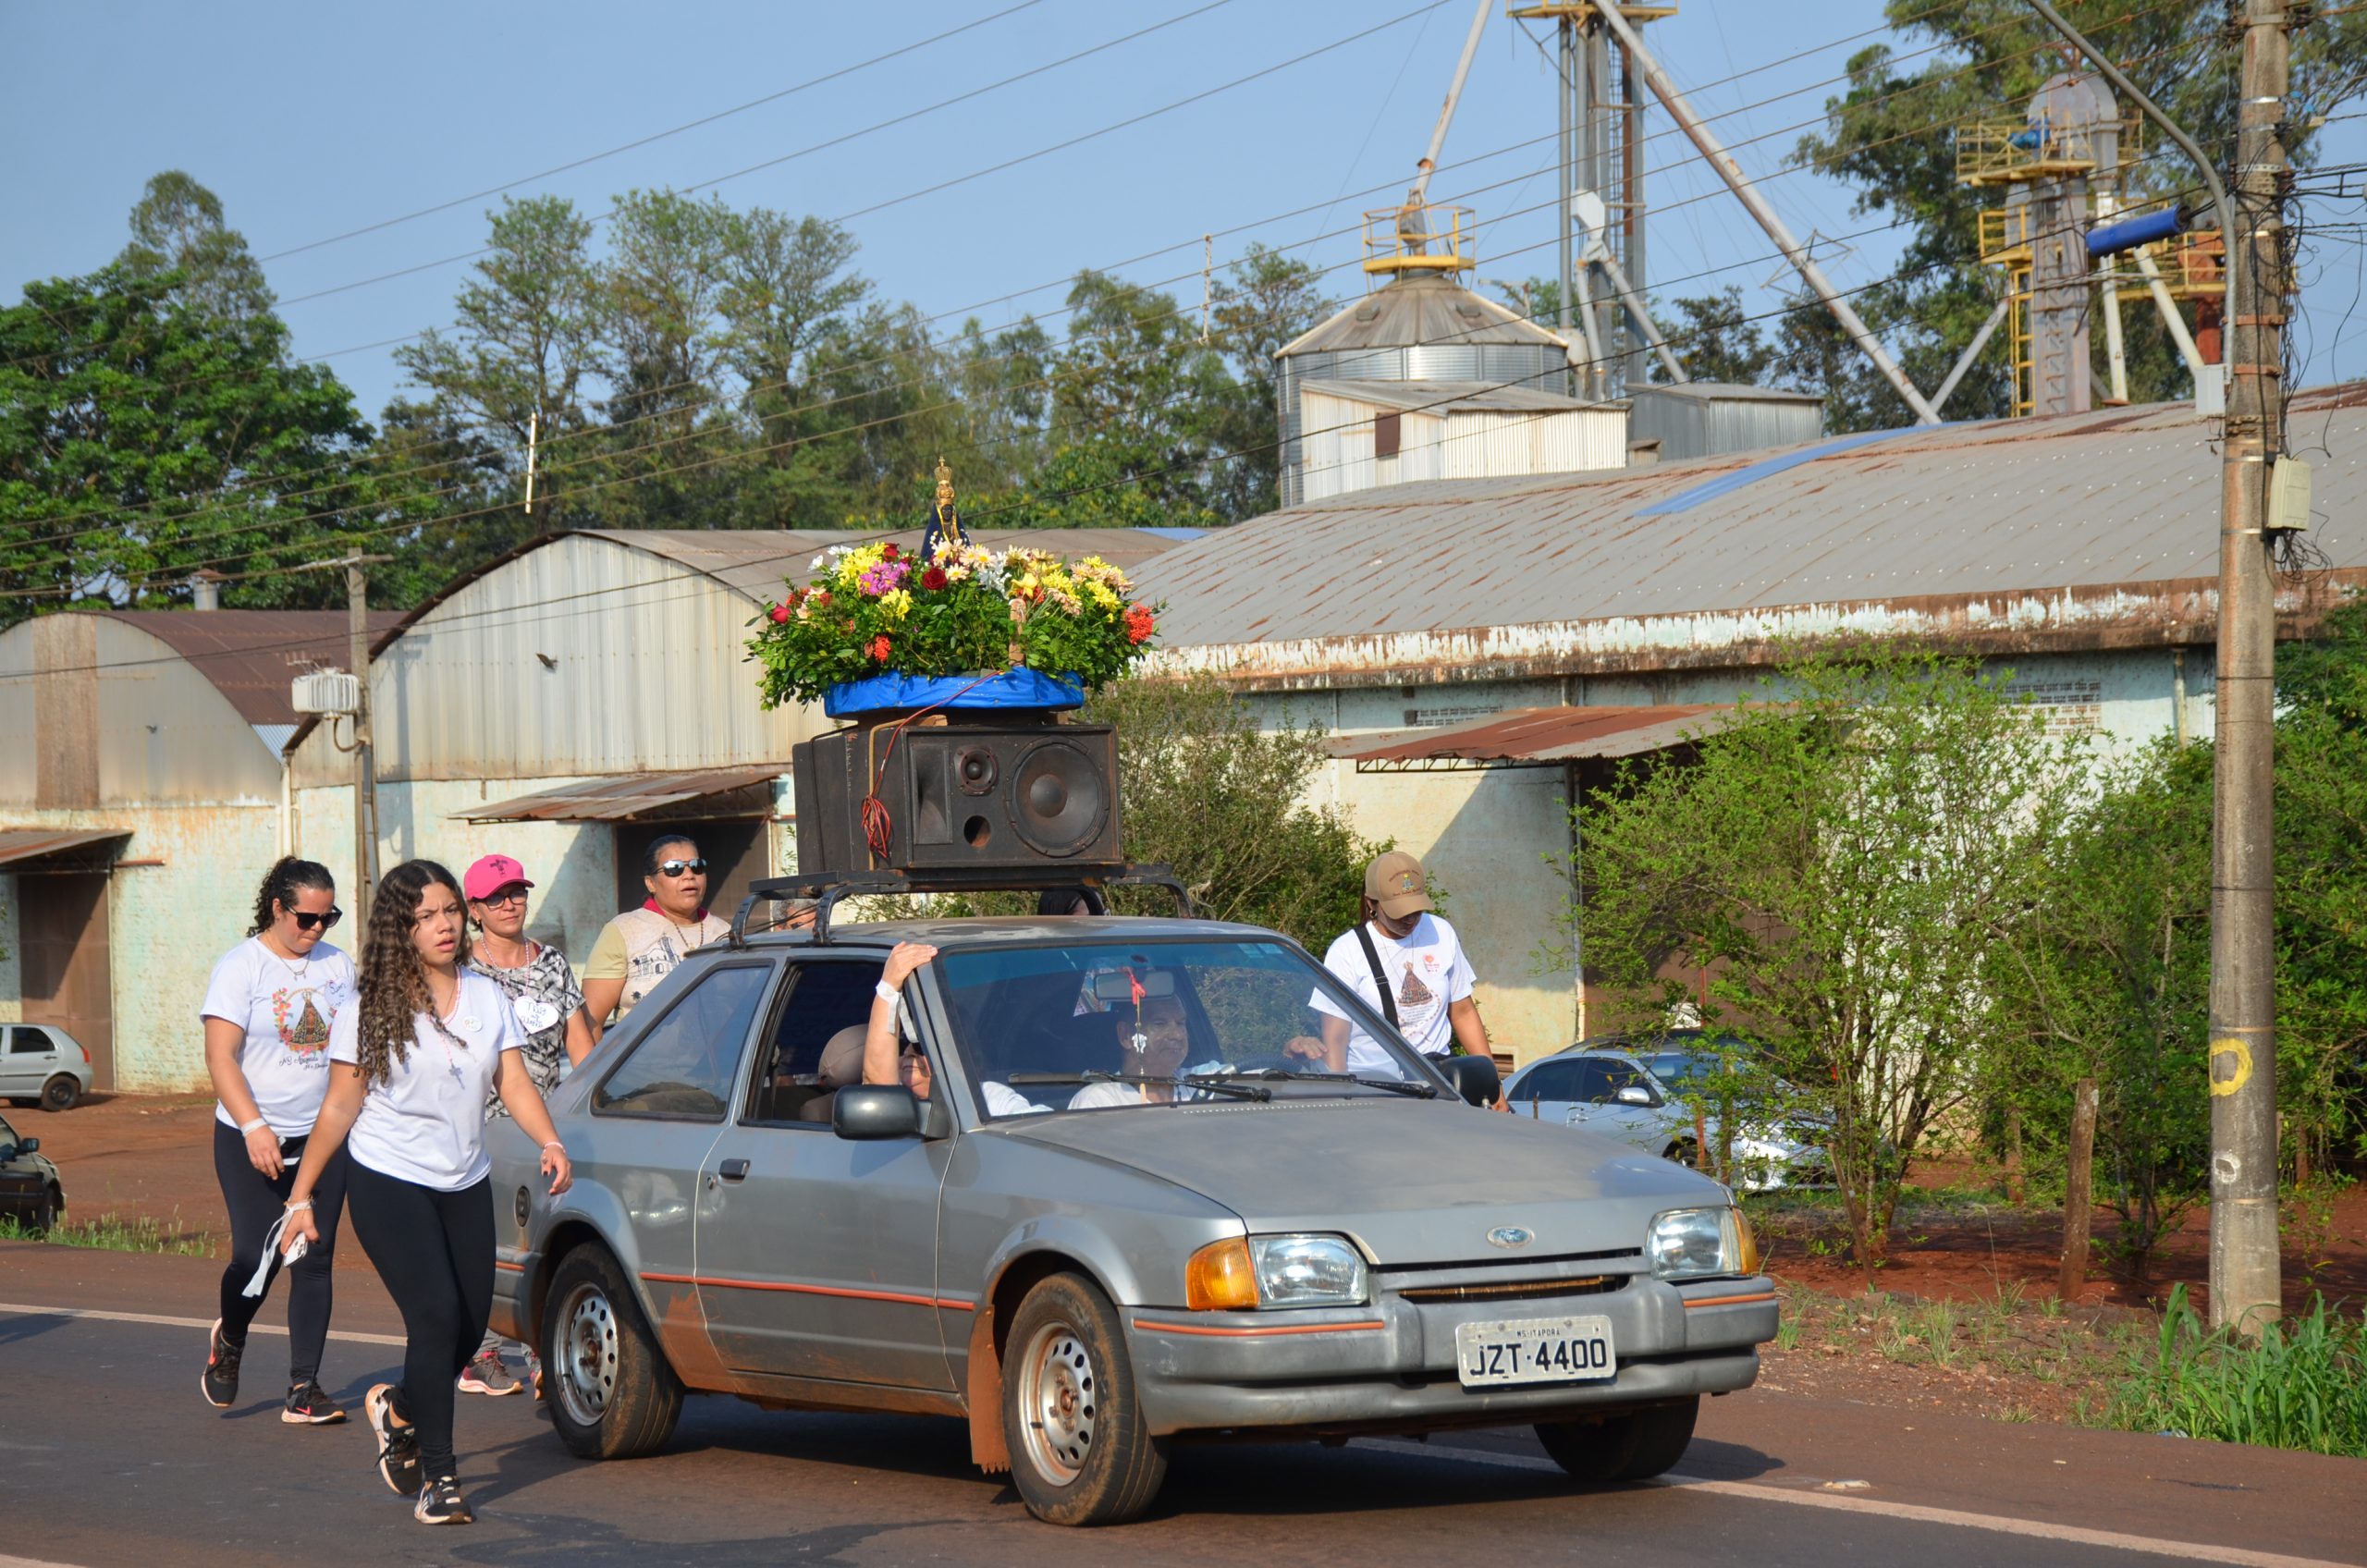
[109, 1456]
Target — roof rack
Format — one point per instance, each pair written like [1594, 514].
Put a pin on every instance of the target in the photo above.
[827, 888]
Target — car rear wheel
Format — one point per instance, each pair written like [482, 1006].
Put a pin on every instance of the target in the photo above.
[610, 1393]
[61, 1092]
[1081, 1453]
[1631, 1446]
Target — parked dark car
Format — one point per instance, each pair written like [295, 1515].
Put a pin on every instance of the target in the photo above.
[30, 1192]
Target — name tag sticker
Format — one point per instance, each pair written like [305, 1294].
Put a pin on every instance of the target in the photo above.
[535, 1015]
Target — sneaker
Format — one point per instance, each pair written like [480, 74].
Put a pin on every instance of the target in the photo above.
[440, 1503]
[397, 1446]
[220, 1382]
[486, 1375]
[310, 1405]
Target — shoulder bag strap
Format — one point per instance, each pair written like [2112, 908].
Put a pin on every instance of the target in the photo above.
[1380, 980]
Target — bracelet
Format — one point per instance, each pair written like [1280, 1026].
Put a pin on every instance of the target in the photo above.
[257, 1125]
[555, 1144]
[885, 992]
[298, 1203]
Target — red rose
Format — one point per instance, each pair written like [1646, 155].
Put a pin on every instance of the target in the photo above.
[933, 579]
[879, 648]
[781, 615]
[888, 551]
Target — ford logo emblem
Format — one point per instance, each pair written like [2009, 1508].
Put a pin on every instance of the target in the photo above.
[1509, 1236]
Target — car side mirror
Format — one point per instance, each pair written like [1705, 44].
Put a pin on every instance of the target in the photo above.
[874, 1111]
[1473, 1077]
[1634, 1094]
[31, 1145]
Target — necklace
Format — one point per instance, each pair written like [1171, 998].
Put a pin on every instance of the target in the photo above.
[299, 969]
[446, 1038]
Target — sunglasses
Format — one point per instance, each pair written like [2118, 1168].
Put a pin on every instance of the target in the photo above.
[315, 921]
[504, 896]
[681, 867]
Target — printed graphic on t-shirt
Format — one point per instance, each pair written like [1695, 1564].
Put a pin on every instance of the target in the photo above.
[1413, 994]
[295, 1012]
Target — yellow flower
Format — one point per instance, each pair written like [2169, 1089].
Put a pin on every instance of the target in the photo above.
[1100, 594]
[897, 603]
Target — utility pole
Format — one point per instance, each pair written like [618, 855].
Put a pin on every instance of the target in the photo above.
[366, 774]
[2246, 1291]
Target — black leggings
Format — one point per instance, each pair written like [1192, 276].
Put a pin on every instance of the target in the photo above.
[255, 1202]
[435, 1252]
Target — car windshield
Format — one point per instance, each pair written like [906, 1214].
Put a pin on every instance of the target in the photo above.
[1108, 1025]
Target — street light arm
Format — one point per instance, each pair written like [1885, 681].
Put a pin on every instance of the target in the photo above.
[2114, 74]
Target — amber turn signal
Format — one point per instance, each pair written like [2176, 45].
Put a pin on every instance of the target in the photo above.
[1220, 1278]
[1748, 1240]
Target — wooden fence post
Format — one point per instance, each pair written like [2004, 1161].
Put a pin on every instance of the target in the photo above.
[2078, 1191]
[2015, 1191]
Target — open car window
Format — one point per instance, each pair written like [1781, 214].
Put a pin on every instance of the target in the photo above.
[1204, 1009]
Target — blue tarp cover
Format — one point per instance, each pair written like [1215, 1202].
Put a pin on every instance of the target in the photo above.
[1010, 688]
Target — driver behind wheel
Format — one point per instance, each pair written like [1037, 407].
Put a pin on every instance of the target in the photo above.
[1154, 1035]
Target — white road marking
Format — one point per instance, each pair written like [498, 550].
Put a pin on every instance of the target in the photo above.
[7, 1561]
[18, 1308]
[2072, 1535]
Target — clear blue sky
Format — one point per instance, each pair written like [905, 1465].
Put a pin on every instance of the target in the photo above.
[311, 120]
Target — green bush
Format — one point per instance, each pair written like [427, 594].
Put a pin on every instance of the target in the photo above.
[2303, 1385]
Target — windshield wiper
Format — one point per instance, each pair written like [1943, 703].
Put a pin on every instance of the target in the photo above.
[1218, 1087]
[1283, 1075]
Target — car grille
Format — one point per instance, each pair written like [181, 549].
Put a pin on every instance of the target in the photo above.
[1517, 1290]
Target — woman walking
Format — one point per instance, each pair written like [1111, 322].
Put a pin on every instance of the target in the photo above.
[415, 1058]
[269, 1009]
[641, 946]
[549, 1006]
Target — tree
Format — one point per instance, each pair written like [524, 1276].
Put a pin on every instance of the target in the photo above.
[177, 229]
[1715, 340]
[141, 436]
[1834, 860]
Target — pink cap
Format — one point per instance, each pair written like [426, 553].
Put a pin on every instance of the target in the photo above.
[490, 874]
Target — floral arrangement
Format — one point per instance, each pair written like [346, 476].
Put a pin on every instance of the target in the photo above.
[874, 610]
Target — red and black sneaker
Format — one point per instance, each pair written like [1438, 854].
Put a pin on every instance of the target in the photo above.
[220, 1383]
[310, 1405]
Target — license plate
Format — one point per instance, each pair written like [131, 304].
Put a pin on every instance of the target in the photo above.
[1534, 1350]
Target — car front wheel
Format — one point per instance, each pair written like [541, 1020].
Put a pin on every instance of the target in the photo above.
[60, 1093]
[610, 1392]
[1634, 1445]
[1081, 1453]
[48, 1212]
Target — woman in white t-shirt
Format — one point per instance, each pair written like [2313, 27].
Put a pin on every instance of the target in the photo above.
[268, 1012]
[414, 1061]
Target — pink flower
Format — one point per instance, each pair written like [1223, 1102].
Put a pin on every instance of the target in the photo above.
[779, 614]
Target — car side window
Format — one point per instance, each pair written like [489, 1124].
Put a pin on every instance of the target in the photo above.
[1605, 1079]
[1549, 1081]
[24, 1039]
[683, 1066]
[815, 1000]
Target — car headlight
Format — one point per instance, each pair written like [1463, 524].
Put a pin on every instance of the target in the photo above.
[1695, 1243]
[1241, 1274]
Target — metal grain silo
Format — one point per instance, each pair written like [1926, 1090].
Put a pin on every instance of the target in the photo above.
[1422, 325]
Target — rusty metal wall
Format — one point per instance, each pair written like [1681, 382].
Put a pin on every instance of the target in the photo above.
[583, 657]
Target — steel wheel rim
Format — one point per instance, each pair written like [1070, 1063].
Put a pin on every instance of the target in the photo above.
[586, 1362]
[1059, 1401]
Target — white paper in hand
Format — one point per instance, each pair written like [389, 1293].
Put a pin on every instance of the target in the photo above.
[271, 1252]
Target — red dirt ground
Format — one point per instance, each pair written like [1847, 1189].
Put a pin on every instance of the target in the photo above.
[150, 1157]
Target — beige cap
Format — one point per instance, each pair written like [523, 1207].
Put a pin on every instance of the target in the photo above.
[1395, 882]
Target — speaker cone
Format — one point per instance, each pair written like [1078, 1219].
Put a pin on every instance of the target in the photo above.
[1058, 799]
[975, 767]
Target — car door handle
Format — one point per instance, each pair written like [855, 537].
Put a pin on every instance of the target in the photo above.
[733, 1169]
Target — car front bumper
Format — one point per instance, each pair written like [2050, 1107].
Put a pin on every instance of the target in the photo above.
[1392, 1366]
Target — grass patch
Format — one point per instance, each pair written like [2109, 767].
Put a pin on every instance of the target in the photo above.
[112, 1232]
[2303, 1385]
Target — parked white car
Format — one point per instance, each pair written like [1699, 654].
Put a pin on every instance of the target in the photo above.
[1615, 1095]
[41, 1061]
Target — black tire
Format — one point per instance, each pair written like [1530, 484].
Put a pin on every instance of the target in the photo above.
[1080, 1450]
[61, 1092]
[607, 1384]
[47, 1213]
[1683, 1152]
[1634, 1445]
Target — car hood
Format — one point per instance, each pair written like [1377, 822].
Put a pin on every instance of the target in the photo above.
[1415, 1182]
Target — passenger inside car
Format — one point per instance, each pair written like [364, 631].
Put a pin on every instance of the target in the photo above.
[1154, 1036]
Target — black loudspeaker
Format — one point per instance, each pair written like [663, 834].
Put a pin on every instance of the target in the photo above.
[956, 795]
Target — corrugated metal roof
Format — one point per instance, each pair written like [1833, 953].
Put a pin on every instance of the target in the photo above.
[1421, 308]
[1446, 396]
[1527, 737]
[635, 796]
[754, 561]
[19, 845]
[252, 656]
[1728, 391]
[2039, 507]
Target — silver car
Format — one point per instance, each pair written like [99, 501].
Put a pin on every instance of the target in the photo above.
[1114, 1210]
[41, 1062]
[1622, 1095]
